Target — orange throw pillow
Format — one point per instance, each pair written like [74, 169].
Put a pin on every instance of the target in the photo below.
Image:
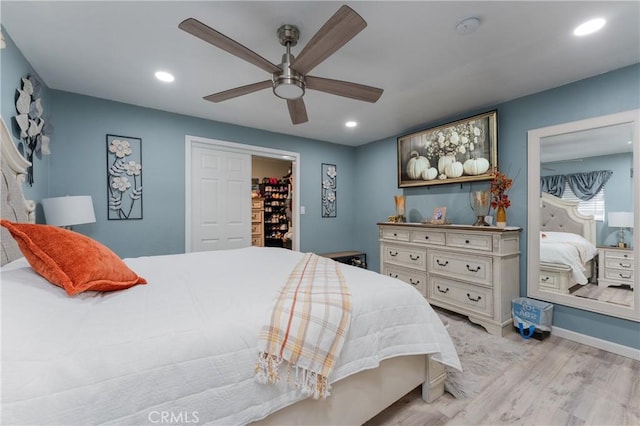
[70, 260]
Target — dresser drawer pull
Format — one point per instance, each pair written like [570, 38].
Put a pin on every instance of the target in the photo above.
[625, 255]
[446, 262]
[625, 265]
[626, 277]
[544, 279]
[446, 290]
[466, 241]
[414, 283]
[472, 299]
[414, 258]
[473, 270]
[395, 235]
[426, 237]
[393, 254]
[393, 275]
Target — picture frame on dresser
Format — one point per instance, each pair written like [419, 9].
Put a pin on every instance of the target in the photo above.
[461, 151]
[439, 215]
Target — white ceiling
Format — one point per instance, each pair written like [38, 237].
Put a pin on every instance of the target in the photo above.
[428, 72]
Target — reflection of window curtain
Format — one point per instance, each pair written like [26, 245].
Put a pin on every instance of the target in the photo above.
[553, 185]
[586, 185]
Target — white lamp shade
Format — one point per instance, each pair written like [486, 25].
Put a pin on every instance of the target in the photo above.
[620, 219]
[67, 211]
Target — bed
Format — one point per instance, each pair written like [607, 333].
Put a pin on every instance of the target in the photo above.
[182, 348]
[567, 245]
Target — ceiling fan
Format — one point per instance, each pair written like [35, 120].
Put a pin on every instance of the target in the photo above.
[290, 79]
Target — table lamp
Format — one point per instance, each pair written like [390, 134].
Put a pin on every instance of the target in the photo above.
[622, 220]
[68, 211]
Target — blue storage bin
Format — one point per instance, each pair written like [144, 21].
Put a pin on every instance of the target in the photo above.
[530, 315]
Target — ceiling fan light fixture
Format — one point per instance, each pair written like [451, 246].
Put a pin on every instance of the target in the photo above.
[287, 88]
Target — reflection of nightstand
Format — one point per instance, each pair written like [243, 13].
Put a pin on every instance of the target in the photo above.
[615, 266]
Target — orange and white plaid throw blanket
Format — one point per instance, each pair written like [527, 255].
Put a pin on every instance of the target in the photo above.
[307, 326]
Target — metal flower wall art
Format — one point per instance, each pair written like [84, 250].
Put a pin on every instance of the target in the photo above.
[124, 177]
[329, 190]
[34, 130]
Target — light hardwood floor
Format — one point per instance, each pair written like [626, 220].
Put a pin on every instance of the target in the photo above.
[561, 383]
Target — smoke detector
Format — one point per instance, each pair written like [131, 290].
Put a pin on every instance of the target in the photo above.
[467, 26]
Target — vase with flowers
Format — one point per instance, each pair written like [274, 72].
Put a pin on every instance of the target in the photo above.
[499, 198]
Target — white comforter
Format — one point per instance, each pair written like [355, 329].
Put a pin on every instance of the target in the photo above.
[567, 249]
[185, 344]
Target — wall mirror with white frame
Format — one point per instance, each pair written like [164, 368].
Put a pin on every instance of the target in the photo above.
[584, 180]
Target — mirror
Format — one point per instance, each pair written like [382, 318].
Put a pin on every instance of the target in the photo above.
[579, 155]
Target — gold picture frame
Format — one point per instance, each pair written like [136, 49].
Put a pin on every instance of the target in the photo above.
[439, 216]
[461, 151]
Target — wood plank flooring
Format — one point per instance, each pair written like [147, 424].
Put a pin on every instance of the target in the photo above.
[561, 383]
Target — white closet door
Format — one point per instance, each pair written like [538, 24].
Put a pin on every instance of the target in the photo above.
[220, 199]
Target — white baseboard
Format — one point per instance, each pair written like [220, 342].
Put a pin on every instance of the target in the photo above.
[605, 345]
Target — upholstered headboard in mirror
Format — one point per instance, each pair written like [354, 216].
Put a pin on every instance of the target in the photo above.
[13, 205]
[563, 216]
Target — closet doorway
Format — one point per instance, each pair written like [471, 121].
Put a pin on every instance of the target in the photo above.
[272, 200]
[218, 193]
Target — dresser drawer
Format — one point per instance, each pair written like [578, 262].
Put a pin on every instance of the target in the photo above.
[428, 236]
[256, 241]
[618, 255]
[256, 228]
[413, 257]
[397, 234]
[256, 204]
[622, 275]
[468, 267]
[415, 278]
[469, 297]
[256, 216]
[618, 262]
[476, 242]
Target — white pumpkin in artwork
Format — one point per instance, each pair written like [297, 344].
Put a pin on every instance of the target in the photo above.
[444, 161]
[416, 165]
[476, 166]
[429, 174]
[454, 169]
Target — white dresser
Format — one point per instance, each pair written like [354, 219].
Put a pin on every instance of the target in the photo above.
[615, 266]
[466, 269]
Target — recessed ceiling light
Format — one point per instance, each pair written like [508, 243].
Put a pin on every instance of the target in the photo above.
[164, 76]
[351, 124]
[589, 27]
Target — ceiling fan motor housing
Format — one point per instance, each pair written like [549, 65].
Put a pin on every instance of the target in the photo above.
[288, 84]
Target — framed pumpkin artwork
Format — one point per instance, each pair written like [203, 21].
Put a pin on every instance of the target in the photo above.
[461, 151]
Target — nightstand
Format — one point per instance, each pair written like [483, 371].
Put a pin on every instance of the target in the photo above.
[615, 266]
[355, 258]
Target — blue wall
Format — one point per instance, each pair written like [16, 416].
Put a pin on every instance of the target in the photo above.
[78, 166]
[376, 179]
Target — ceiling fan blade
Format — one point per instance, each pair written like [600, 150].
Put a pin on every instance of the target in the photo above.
[297, 111]
[238, 91]
[344, 88]
[335, 33]
[208, 34]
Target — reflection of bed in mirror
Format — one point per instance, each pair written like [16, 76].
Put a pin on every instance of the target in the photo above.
[567, 245]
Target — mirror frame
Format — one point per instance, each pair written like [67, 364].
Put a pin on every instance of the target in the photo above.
[533, 220]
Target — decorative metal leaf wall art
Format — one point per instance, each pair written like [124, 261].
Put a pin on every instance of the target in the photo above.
[124, 177]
